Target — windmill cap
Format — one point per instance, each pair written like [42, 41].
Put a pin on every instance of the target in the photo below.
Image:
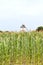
[23, 26]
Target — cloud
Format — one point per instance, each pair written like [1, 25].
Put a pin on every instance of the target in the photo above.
[15, 12]
[20, 7]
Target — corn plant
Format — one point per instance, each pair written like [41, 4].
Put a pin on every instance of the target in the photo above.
[21, 48]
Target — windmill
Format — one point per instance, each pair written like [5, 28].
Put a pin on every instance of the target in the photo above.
[23, 28]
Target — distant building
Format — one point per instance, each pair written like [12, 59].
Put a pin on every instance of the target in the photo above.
[23, 28]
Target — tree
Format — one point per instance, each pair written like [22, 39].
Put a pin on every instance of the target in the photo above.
[40, 28]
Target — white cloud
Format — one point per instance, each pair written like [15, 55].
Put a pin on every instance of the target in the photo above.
[19, 7]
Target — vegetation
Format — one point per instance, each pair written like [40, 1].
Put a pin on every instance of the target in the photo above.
[23, 48]
[40, 28]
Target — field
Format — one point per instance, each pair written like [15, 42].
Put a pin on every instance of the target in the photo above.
[21, 48]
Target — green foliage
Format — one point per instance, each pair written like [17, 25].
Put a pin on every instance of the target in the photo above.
[40, 28]
[23, 48]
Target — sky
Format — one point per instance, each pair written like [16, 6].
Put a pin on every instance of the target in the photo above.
[14, 13]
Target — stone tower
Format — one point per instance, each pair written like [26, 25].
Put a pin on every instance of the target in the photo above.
[23, 28]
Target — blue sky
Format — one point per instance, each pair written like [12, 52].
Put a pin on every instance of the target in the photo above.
[14, 13]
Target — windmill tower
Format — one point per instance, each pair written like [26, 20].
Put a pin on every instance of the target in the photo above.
[23, 28]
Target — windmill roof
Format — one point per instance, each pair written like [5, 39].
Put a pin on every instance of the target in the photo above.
[23, 26]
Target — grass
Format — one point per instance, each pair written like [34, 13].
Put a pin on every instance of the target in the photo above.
[21, 48]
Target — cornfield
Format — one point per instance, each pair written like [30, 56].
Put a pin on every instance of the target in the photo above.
[21, 48]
